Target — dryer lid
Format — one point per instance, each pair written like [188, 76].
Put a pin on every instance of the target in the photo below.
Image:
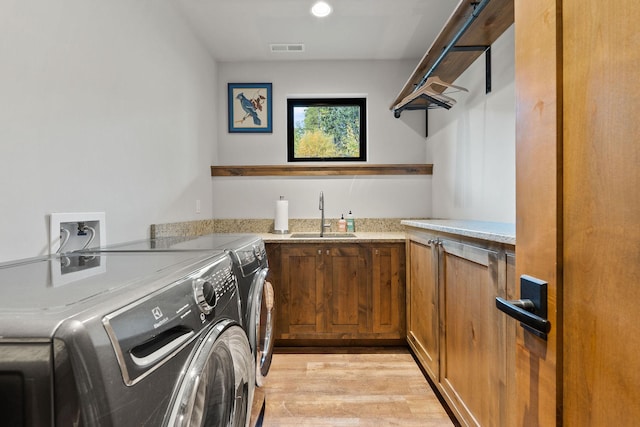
[58, 283]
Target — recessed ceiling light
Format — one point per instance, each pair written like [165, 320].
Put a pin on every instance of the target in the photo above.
[321, 9]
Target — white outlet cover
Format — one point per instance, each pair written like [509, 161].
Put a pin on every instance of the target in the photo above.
[59, 218]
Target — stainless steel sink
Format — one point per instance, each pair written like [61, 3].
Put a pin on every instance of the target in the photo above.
[317, 235]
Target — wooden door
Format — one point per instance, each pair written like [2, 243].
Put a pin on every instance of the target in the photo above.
[387, 291]
[538, 200]
[346, 290]
[423, 322]
[473, 342]
[578, 208]
[302, 292]
[601, 225]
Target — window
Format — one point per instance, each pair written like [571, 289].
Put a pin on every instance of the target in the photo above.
[326, 129]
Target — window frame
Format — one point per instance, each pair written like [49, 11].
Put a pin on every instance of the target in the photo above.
[292, 103]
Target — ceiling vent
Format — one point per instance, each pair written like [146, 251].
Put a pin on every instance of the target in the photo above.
[286, 47]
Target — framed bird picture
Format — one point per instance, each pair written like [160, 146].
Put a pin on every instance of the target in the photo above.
[250, 107]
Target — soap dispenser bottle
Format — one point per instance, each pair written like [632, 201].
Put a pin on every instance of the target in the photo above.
[351, 223]
[342, 224]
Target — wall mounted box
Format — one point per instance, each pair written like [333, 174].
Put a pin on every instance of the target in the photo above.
[94, 235]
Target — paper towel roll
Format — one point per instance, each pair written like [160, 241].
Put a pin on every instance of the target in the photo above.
[281, 224]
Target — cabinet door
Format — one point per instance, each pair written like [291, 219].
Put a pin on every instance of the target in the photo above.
[422, 304]
[302, 292]
[472, 347]
[345, 281]
[388, 291]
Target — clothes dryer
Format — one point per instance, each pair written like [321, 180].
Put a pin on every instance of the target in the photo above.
[123, 339]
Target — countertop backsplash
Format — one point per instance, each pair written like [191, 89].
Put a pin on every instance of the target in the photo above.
[201, 227]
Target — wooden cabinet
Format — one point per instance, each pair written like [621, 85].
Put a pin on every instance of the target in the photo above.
[338, 291]
[454, 328]
[387, 285]
[345, 290]
[423, 323]
[473, 344]
[301, 307]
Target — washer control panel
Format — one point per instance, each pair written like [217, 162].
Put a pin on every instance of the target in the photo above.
[212, 287]
[251, 257]
[147, 332]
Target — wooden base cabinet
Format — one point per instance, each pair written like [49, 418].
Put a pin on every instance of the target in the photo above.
[453, 326]
[423, 324]
[338, 291]
[387, 286]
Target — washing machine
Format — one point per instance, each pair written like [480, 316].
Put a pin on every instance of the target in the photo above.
[249, 256]
[123, 339]
[257, 300]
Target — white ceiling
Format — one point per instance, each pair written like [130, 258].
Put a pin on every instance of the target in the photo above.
[242, 30]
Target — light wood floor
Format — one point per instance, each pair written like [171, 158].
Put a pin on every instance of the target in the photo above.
[381, 387]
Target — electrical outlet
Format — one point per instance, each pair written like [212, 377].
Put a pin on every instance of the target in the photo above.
[197, 206]
[74, 231]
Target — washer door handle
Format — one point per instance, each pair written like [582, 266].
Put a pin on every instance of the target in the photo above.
[162, 352]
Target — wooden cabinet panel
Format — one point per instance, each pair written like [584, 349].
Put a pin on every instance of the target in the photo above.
[338, 291]
[454, 328]
[472, 347]
[302, 288]
[422, 296]
[388, 290]
[346, 297]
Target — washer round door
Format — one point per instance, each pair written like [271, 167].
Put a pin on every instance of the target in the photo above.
[217, 386]
[261, 324]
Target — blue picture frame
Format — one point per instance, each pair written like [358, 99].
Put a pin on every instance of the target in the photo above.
[250, 107]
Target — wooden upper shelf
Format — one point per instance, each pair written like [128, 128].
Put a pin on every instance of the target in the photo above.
[489, 24]
[312, 170]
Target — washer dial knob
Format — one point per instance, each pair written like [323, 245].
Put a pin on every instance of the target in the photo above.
[206, 295]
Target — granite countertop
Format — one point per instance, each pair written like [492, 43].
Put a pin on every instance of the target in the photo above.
[361, 237]
[377, 229]
[500, 232]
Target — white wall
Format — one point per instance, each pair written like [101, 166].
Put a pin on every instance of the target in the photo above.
[106, 106]
[472, 146]
[115, 107]
[390, 140]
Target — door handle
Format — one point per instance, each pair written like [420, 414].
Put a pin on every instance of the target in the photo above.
[523, 310]
[531, 310]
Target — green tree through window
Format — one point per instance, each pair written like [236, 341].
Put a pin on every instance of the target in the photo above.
[326, 129]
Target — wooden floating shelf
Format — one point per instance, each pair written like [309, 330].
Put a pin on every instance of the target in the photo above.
[490, 23]
[310, 170]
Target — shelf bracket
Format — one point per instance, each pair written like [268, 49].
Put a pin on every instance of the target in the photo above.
[487, 61]
[397, 112]
[426, 123]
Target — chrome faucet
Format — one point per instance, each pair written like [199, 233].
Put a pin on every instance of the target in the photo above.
[323, 225]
